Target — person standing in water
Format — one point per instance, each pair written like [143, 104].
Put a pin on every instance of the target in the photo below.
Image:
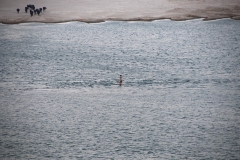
[120, 80]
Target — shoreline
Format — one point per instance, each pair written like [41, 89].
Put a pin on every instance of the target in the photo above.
[96, 11]
[123, 20]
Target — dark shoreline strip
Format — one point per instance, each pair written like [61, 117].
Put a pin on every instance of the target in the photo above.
[120, 19]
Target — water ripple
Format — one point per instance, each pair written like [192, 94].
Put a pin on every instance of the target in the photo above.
[60, 97]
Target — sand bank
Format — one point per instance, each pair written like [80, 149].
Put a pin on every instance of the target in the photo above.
[123, 10]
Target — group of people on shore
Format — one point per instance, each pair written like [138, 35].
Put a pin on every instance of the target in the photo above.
[32, 9]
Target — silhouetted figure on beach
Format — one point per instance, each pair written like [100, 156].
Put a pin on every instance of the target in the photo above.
[26, 9]
[31, 13]
[31, 6]
[38, 11]
[18, 10]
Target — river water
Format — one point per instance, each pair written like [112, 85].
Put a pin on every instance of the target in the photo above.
[180, 97]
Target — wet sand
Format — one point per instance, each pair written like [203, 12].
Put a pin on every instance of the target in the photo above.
[92, 11]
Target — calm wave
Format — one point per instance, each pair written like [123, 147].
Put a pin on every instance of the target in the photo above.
[180, 96]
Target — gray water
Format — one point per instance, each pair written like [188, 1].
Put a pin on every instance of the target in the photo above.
[180, 97]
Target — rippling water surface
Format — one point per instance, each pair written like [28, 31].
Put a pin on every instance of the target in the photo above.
[180, 97]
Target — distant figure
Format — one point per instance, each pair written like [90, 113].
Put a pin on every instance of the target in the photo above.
[120, 80]
[18, 10]
[38, 11]
[26, 9]
[31, 13]
[31, 6]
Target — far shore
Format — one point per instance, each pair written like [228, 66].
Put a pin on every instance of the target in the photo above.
[95, 11]
[117, 19]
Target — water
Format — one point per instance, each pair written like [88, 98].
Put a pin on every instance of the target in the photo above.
[180, 97]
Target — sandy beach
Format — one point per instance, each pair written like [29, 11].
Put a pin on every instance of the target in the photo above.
[123, 10]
